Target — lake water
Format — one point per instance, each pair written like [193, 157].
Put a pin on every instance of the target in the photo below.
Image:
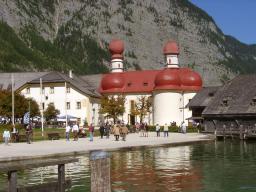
[206, 167]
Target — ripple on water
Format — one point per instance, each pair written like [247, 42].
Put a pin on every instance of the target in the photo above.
[209, 167]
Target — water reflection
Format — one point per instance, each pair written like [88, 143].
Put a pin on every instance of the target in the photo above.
[159, 169]
[206, 167]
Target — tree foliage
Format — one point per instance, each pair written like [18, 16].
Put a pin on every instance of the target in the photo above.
[21, 105]
[142, 107]
[112, 106]
[51, 112]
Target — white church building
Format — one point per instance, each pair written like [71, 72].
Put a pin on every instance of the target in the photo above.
[171, 88]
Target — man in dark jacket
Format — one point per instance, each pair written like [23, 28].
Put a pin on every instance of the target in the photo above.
[102, 130]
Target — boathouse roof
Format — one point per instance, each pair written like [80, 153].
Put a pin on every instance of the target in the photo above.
[236, 98]
[203, 97]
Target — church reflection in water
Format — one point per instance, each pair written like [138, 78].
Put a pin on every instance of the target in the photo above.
[156, 169]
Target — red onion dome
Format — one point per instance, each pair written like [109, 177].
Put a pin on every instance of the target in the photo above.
[168, 79]
[116, 48]
[171, 47]
[190, 79]
[112, 81]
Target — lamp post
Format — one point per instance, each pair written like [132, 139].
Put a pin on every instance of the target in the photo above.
[42, 108]
[13, 120]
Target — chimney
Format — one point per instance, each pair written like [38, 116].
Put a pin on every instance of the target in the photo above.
[70, 74]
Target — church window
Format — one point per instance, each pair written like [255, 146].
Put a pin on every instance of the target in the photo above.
[169, 61]
[51, 90]
[28, 90]
[132, 105]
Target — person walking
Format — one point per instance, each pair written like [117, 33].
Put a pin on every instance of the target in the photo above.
[183, 128]
[68, 128]
[157, 130]
[91, 131]
[166, 130]
[146, 130]
[102, 131]
[75, 130]
[124, 131]
[116, 131]
[28, 133]
[6, 137]
[107, 130]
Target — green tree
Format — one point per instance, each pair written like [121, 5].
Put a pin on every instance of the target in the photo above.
[142, 107]
[112, 106]
[21, 105]
[51, 112]
[34, 108]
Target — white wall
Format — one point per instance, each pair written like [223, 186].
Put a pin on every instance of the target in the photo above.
[58, 98]
[168, 107]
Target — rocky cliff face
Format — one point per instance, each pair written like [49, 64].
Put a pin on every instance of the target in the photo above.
[74, 34]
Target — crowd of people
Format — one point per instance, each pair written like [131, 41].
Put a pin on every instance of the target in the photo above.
[119, 130]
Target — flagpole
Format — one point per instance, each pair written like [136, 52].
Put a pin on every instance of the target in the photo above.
[13, 120]
[29, 110]
[66, 104]
[42, 110]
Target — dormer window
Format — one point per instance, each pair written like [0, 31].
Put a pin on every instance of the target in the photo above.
[211, 94]
[253, 103]
[145, 84]
[129, 84]
[225, 102]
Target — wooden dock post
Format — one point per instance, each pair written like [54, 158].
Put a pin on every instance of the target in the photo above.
[12, 181]
[61, 177]
[100, 171]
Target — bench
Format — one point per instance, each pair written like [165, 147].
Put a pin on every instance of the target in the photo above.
[53, 136]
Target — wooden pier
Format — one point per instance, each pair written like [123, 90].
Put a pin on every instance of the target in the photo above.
[235, 134]
[12, 167]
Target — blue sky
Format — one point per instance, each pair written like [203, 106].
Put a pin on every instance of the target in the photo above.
[234, 17]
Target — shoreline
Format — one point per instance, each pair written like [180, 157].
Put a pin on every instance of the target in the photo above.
[62, 148]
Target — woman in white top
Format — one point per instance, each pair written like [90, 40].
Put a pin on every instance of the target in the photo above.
[166, 130]
[6, 136]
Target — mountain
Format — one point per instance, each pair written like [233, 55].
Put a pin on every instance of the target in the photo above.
[42, 35]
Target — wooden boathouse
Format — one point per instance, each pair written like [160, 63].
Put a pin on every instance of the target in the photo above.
[229, 110]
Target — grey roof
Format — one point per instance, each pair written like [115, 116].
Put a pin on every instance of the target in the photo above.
[93, 80]
[234, 98]
[19, 79]
[203, 97]
[79, 83]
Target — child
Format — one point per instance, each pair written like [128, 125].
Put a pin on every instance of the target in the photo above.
[6, 136]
